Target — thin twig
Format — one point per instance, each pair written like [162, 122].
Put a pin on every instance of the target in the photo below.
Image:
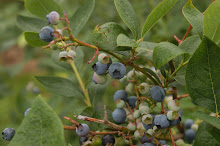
[171, 136]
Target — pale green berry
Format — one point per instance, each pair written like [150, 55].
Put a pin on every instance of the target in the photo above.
[130, 117]
[60, 44]
[130, 88]
[138, 134]
[63, 56]
[172, 115]
[195, 127]
[174, 105]
[136, 114]
[71, 54]
[150, 132]
[103, 58]
[144, 109]
[144, 88]
[147, 119]
[143, 103]
[167, 99]
[140, 126]
[180, 142]
[155, 129]
[123, 80]
[99, 79]
[130, 75]
[120, 103]
[131, 126]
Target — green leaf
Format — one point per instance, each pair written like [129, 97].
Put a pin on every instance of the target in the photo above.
[30, 24]
[164, 52]
[214, 132]
[41, 126]
[123, 40]
[105, 36]
[211, 22]
[81, 16]
[152, 73]
[156, 14]
[202, 75]
[60, 86]
[204, 138]
[146, 49]
[41, 8]
[180, 76]
[128, 15]
[194, 17]
[34, 40]
[209, 119]
[190, 45]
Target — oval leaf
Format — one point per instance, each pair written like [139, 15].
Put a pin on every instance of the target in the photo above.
[164, 52]
[105, 36]
[214, 132]
[146, 49]
[204, 138]
[128, 15]
[30, 24]
[81, 16]
[41, 126]
[123, 40]
[194, 17]
[156, 14]
[202, 75]
[211, 22]
[34, 40]
[59, 86]
[41, 8]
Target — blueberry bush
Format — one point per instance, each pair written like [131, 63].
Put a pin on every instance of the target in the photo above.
[132, 90]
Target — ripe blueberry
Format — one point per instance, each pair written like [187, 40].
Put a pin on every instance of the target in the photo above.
[82, 130]
[188, 123]
[53, 18]
[148, 126]
[119, 115]
[190, 135]
[157, 93]
[108, 139]
[100, 68]
[145, 139]
[8, 134]
[122, 94]
[110, 62]
[176, 121]
[132, 101]
[26, 112]
[46, 34]
[117, 70]
[161, 121]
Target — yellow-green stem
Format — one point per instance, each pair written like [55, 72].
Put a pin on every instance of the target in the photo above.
[85, 91]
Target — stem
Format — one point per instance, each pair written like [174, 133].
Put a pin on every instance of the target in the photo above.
[171, 136]
[187, 32]
[174, 73]
[85, 91]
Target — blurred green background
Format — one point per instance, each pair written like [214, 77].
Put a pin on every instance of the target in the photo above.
[20, 62]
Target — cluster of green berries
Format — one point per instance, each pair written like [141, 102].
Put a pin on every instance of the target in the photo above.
[104, 66]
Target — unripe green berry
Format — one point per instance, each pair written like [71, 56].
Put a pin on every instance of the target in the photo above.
[123, 80]
[131, 126]
[138, 134]
[130, 75]
[120, 103]
[136, 114]
[96, 141]
[143, 103]
[130, 88]
[150, 132]
[147, 119]
[71, 54]
[195, 127]
[63, 56]
[172, 115]
[144, 109]
[167, 99]
[140, 126]
[103, 58]
[99, 79]
[174, 105]
[180, 142]
[60, 44]
[144, 88]
[54, 47]
[155, 129]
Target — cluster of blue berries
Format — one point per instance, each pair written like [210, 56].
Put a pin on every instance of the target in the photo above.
[104, 66]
